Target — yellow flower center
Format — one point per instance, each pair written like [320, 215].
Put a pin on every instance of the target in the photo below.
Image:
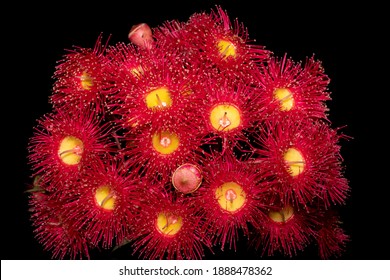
[225, 117]
[71, 150]
[285, 98]
[165, 142]
[226, 48]
[282, 216]
[158, 99]
[295, 161]
[230, 196]
[104, 198]
[168, 224]
[86, 81]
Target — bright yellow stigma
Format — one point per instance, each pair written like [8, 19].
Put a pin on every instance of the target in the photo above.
[70, 150]
[226, 48]
[230, 196]
[158, 99]
[104, 198]
[165, 142]
[282, 216]
[295, 161]
[285, 98]
[225, 117]
[168, 224]
[86, 81]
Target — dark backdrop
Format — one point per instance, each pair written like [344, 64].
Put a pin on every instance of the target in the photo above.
[36, 36]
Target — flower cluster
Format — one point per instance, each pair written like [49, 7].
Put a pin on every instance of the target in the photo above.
[181, 141]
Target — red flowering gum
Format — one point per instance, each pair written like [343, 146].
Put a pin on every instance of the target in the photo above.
[167, 228]
[286, 230]
[65, 142]
[229, 111]
[331, 238]
[224, 44]
[230, 199]
[302, 161]
[157, 153]
[155, 91]
[81, 80]
[292, 87]
[60, 238]
[103, 209]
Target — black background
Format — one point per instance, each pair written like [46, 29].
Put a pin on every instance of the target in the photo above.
[36, 36]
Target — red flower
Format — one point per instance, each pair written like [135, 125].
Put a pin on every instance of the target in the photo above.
[285, 229]
[229, 112]
[64, 143]
[167, 228]
[224, 44]
[81, 80]
[60, 238]
[301, 160]
[211, 42]
[156, 153]
[153, 87]
[331, 238]
[103, 208]
[214, 138]
[292, 87]
[230, 199]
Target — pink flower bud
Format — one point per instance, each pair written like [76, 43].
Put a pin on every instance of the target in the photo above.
[141, 35]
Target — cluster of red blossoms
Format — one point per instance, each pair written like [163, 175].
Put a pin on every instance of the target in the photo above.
[183, 140]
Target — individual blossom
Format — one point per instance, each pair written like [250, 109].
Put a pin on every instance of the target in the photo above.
[301, 160]
[224, 46]
[285, 229]
[230, 110]
[64, 143]
[331, 237]
[104, 207]
[167, 227]
[289, 86]
[80, 79]
[156, 153]
[58, 237]
[230, 199]
[152, 87]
